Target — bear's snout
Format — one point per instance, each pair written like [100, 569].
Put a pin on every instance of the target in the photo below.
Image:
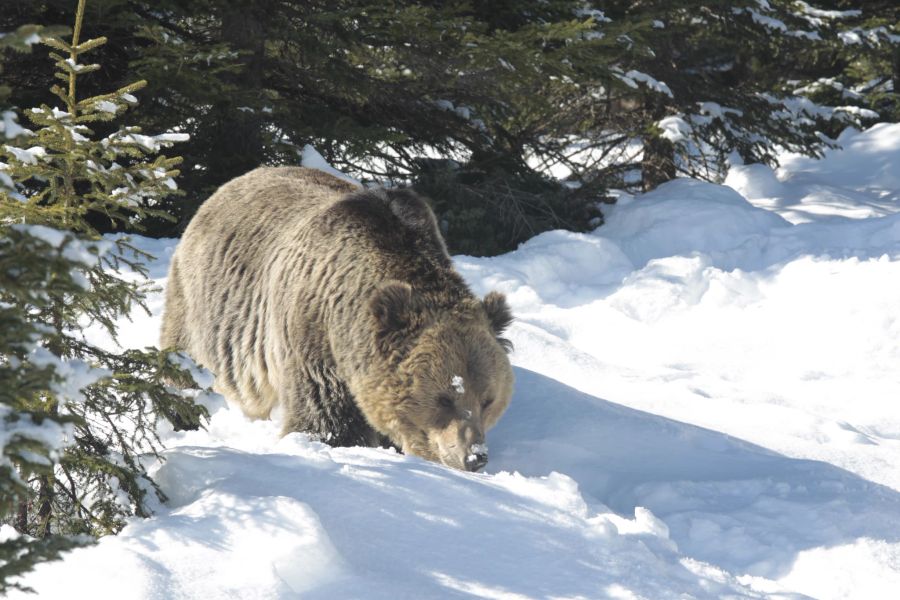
[460, 446]
[477, 457]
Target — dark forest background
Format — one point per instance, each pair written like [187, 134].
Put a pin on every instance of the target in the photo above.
[470, 102]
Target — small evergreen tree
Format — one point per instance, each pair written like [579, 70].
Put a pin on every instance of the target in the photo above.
[33, 438]
[78, 420]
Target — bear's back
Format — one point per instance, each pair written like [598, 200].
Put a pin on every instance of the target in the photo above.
[390, 223]
[270, 201]
[270, 195]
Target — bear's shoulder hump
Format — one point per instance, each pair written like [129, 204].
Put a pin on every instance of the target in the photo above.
[385, 209]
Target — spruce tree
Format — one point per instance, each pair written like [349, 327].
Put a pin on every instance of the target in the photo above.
[378, 89]
[719, 79]
[860, 64]
[78, 421]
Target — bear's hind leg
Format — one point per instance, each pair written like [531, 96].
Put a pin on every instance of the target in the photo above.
[172, 331]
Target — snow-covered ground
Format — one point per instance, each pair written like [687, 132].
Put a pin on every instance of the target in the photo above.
[707, 406]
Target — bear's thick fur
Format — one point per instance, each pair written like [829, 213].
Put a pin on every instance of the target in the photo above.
[341, 305]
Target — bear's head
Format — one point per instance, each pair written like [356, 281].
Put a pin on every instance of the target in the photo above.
[442, 376]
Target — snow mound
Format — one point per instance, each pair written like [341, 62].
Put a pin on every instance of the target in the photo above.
[859, 180]
[687, 216]
[301, 518]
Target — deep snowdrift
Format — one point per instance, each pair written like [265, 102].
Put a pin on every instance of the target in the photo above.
[706, 406]
[860, 180]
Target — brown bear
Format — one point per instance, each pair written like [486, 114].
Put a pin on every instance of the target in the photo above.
[341, 305]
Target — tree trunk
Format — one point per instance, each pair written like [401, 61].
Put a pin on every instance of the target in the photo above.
[896, 70]
[243, 28]
[658, 163]
[22, 517]
[45, 506]
[234, 126]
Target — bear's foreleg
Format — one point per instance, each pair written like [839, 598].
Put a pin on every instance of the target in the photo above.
[318, 402]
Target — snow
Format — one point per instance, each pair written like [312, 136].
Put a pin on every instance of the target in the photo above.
[812, 11]
[770, 22]
[675, 129]
[203, 377]
[465, 112]
[106, 106]
[10, 127]
[592, 13]
[874, 36]
[74, 374]
[311, 159]
[716, 110]
[151, 143]
[503, 63]
[647, 80]
[55, 112]
[458, 384]
[76, 250]
[75, 67]
[830, 82]
[49, 434]
[705, 407]
[804, 189]
[775, 24]
[478, 449]
[29, 156]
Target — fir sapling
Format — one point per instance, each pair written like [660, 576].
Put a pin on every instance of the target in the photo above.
[78, 422]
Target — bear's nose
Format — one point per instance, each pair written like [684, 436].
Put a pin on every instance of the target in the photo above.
[476, 461]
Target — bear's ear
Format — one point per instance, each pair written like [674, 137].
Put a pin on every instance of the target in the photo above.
[392, 306]
[498, 312]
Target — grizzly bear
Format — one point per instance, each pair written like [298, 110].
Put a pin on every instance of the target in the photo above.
[340, 305]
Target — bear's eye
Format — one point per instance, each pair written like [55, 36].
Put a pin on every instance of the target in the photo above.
[487, 403]
[445, 400]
